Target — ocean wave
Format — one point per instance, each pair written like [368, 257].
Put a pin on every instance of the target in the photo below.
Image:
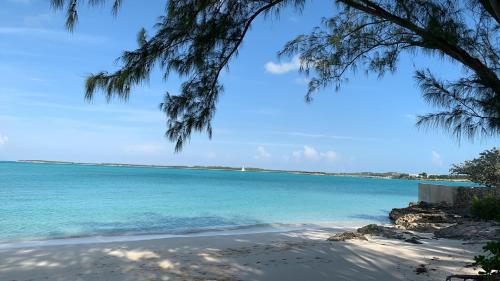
[179, 233]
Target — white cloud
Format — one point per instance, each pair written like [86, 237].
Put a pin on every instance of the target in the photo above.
[144, 149]
[329, 155]
[284, 67]
[262, 154]
[312, 154]
[436, 159]
[3, 139]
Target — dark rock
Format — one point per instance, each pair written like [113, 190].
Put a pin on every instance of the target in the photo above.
[424, 217]
[413, 240]
[421, 269]
[389, 232]
[378, 230]
[470, 230]
[347, 236]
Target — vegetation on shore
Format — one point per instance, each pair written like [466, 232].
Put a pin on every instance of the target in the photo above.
[488, 209]
[484, 170]
[476, 218]
[386, 175]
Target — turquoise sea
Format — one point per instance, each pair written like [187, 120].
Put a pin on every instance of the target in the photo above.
[47, 201]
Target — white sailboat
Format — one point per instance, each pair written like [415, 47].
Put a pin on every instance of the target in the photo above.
[242, 168]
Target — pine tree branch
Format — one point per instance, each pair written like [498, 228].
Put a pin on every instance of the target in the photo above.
[488, 76]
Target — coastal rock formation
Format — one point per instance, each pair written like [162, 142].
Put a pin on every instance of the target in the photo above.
[389, 232]
[378, 230]
[471, 230]
[424, 217]
[347, 236]
[444, 221]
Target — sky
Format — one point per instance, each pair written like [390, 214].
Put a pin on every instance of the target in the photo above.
[262, 119]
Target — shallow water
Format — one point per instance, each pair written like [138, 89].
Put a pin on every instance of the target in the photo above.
[46, 201]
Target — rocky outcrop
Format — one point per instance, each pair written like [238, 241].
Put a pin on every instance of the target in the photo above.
[347, 236]
[444, 221]
[471, 230]
[424, 217]
[389, 232]
[378, 230]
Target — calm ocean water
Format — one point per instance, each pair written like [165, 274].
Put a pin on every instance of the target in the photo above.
[44, 201]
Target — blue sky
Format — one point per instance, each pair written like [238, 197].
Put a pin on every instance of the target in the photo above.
[261, 120]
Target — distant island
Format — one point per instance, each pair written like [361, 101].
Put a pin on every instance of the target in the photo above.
[383, 175]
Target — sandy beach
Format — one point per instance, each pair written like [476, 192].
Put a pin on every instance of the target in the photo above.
[295, 255]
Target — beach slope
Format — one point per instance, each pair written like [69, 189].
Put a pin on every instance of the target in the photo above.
[296, 255]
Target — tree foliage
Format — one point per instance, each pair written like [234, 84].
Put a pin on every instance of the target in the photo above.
[373, 35]
[197, 39]
[490, 263]
[486, 208]
[484, 170]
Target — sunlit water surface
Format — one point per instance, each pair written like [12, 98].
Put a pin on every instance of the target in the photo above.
[47, 201]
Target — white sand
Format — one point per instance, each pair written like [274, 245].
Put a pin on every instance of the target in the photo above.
[287, 256]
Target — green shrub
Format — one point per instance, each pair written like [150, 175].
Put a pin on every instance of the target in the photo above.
[490, 264]
[487, 208]
[484, 170]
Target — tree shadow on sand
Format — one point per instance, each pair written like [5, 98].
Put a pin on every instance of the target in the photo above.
[273, 256]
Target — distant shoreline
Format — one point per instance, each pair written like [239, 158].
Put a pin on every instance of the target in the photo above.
[386, 175]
